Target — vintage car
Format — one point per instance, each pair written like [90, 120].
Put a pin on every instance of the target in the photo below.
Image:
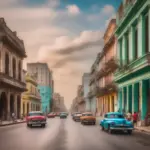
[77, 116]
[63, 115]
[75, 113]
[51, 115]
[36, 118]
[115, 121]
[87, 118]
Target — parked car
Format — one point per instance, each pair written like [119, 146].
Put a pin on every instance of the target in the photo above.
[87, 118]
[77, 117]
[115, 121]
[36, 118]
[51, 115]
[63, 115]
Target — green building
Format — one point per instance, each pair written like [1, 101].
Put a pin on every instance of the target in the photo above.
[133, 52]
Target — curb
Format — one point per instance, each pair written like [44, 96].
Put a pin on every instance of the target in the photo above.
[9, 124]
[142, 130]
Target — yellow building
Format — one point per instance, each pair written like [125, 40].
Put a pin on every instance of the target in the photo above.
[31, 100]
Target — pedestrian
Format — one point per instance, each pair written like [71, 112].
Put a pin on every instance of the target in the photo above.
[13, 116]
[135, 118]
[129, 116]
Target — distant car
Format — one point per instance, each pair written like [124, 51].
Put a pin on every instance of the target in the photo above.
[58, 114]
[36, 118]
[63, 115]
[75, 113]
[88, 118]
[51, 115]
[115, 121]
[77, 117]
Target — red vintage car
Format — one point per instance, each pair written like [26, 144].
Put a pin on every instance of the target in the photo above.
[51, 115]
[36, 118]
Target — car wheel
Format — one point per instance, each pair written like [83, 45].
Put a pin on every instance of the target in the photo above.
[94, 123]
[28, 125]
[43, 125]
[102, 128]
[129, 132]
[109, 130]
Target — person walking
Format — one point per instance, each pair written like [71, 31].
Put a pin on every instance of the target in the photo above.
[135, 118]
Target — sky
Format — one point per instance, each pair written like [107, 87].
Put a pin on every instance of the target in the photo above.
[66, 34]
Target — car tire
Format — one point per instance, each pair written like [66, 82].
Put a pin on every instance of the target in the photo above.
[43, 125]
[129, 132]
[28, 125]
[109, 130]
[94, 123]
[102, 128]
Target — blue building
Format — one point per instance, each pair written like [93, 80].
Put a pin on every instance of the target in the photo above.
[45, 83]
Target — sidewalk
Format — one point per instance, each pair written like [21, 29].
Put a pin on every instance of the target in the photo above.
[7, 123]
[98, 118]
[143, 129]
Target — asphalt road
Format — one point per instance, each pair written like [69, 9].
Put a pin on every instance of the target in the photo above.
[65, 134]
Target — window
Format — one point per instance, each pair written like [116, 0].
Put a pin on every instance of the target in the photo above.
[146, 33]
[136, 43]
[114, 116]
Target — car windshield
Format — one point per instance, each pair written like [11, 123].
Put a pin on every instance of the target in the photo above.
[87, 115]
[114, 116]
[35, 114]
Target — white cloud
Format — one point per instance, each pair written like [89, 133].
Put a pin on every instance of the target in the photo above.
[73, 9]
[108, 10]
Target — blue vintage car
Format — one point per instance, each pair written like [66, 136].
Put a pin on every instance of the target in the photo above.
[115, 121]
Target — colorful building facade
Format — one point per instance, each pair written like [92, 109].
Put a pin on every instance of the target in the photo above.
[31, 100]
[107, 89]
[45, 83]
[133, 76]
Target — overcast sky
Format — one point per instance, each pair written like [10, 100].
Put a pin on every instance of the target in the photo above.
[67, 34]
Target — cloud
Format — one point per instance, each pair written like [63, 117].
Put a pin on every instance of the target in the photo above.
[73, 9]
[108, 10]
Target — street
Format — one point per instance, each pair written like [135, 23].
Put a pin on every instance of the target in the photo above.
[65, 134]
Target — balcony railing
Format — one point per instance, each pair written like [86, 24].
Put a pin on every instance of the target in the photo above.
[100, 73]
[111, 87]
[123, 9]
[81, 100]
[111, 65]
[11, 82]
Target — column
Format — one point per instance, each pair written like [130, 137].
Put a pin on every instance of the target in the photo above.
[8, 107]
[149, 27]
[10, 65]
[17, 72]
[122, 100]
[130, 98]
[125, 98]
[123, 50]
[132, 43]
[144, 99]
[127, 108]
[3, 60]
[136, 97]
[141, 36]
[119, 51]
[15, 104]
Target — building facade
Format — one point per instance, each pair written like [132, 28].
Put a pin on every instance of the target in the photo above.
[133, 76]
[86, 89]
[31, 100]
[45, 83]
[93, 84]
[58, 103]
[80, 99]
[107, 96]
[12, 53]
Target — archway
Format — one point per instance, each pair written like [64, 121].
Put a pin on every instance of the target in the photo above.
[7, 63]
[3, 106]
[12, 104]
[18, 106]
[19, 70]
[14, 67]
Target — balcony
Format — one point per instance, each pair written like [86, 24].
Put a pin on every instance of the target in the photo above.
[138, 67]
[111, 65]
[31, 96]
[100, 91]
[124, 9]
[111, 87]
[7, 81]
[100, 73]
[92, 79]
[81, 100]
